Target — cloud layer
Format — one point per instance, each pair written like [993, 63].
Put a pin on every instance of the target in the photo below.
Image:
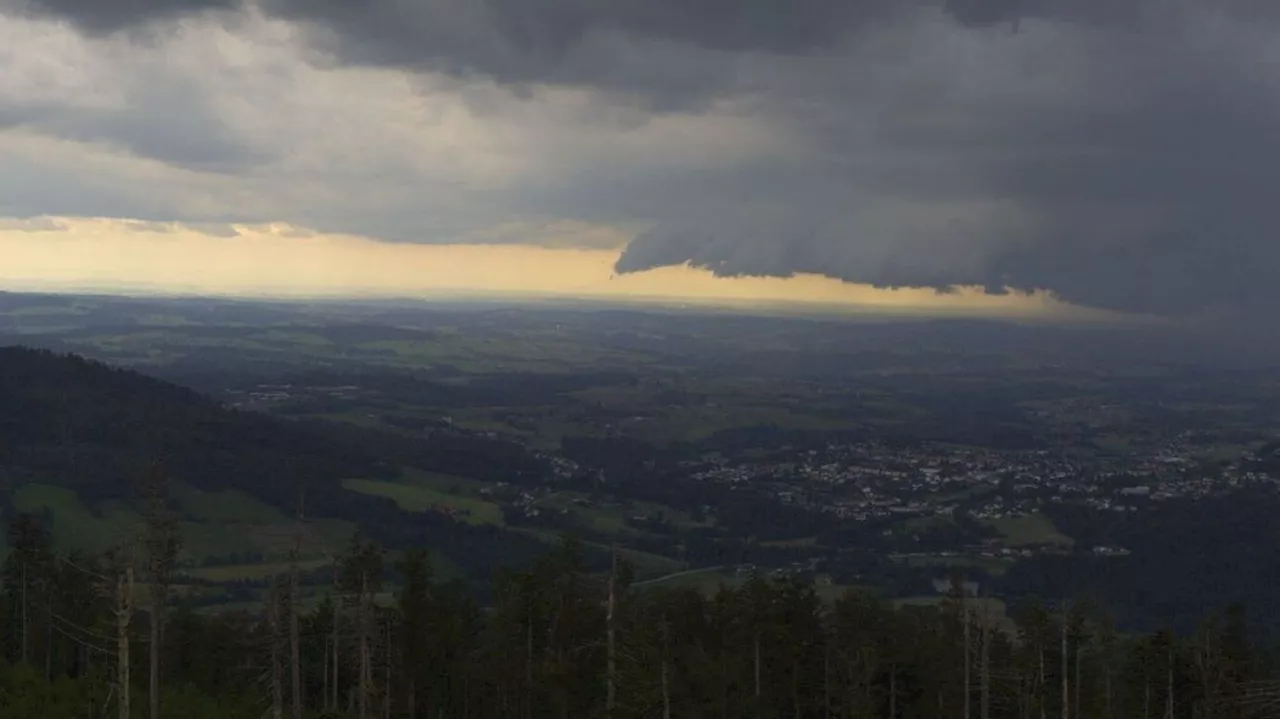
[1120, 155]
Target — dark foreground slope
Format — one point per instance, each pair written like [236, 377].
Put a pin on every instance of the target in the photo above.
[79, 425]
[83, 425]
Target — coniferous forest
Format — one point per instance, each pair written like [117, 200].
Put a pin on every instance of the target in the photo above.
[80, 639]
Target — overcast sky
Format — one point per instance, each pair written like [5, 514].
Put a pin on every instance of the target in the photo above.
[1119, 155]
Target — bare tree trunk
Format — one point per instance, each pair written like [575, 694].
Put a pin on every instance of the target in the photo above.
[335, 663]
[295, 648]
[1107, 691]
[1075, 699]
[48, 634]
[826, 680]
[154, 685]
[386, 697]
[893, 691]
[611, 670]
[666, 681]
[1066, 681]
[795, 691]
[967, 647]
[1204, 650]
[365, 659]
[124, 612]
[162, 549]
[273, 622]
[528, 665]
[757, 672]
[1168, 704]
[25, 624]
[1040, 684]
[984, 670]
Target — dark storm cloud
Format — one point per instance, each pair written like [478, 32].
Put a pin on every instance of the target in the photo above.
[541, 33]
[185, 134]
[1121, 153]
[1143, 182]
[106, 16]
[659, 51]
[667, 54]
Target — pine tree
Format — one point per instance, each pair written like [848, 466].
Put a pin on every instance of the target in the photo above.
[416, 610]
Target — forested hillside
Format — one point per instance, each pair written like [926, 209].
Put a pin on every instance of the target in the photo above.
[560, 642]
[96, 432]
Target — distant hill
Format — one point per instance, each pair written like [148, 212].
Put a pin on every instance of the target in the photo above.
[76, 436]
[81, 424]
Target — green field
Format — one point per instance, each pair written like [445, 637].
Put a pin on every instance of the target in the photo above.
[711, 580]
[448, 483]
[75, 526]
[213, 524]
[792, 543]
[416, 497]
[233, 572]
[1029, 530]
[201, 540]
[708, 581]
[993, 566]
[225, 507]
[647, 565]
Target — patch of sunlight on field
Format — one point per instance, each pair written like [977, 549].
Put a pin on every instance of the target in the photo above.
[75, 526]
[418, 498]
[228, 506]
[1029, 530]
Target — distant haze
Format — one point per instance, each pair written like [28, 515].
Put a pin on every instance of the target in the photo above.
[114, 256]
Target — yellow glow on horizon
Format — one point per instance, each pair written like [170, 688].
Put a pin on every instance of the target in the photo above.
[275, 260]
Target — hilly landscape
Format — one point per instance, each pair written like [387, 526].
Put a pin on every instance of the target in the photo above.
[1040, 461]
[639, 359]
[79, 440]
[475, 511]
[370, 601]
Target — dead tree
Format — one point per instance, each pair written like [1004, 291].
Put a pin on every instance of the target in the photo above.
[386, 695]
[334, 643]
[366, 663]
[968, 649]
[1041, 685]
[826, 673]
[666, 668]
[1066, 668]
[295, 650]
[1075, 698]
[324, 674]
[26, 625]
[273, 624]
[360, 573]
[162, 549]
[611, 670]
[124, 613]
[984, 666]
